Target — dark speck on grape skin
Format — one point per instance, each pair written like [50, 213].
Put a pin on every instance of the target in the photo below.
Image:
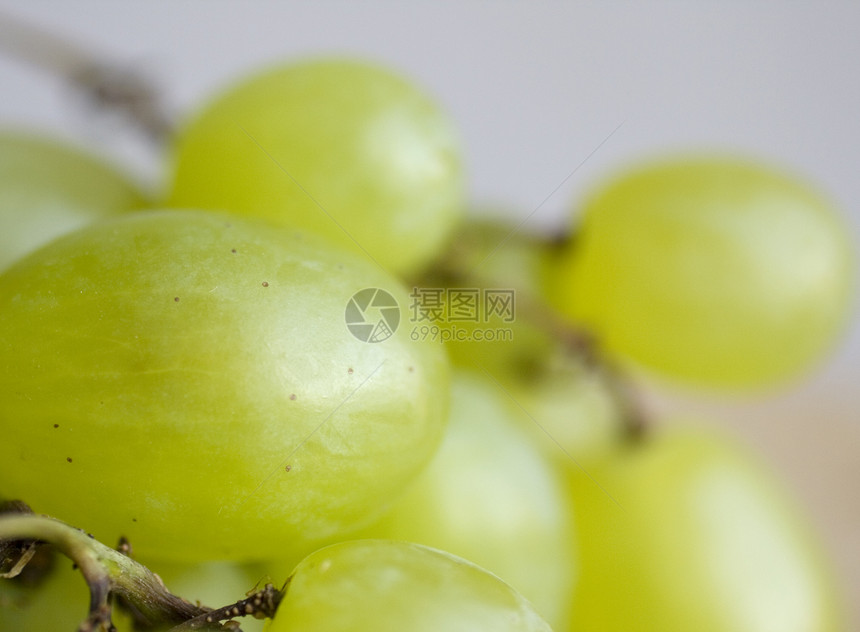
[293, 397]
[233, 251]
[56, 425]
[69, 459]
[176, 299]
[288, 468]
[350, 371]
[265, 284]
[134, 519]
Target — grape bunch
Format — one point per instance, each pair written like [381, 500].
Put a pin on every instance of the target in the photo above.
[302, 383]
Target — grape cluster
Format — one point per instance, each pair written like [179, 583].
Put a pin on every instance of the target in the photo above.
[303, 362]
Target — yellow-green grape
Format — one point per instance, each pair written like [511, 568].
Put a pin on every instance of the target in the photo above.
[572, 408]
[384, 586]
[687, 532]
[718, 272]
[538, 359]
[60, 602]
[342, 148]
[491, 316]
[48, 189]
[187, 379]
[490, 496]
[497, 251]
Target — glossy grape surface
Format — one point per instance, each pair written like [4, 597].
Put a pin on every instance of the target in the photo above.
[187, 380]
[714, 271]
[341, 148]
[381, 586]
[491, 497]
[48, 189]
[692, 534]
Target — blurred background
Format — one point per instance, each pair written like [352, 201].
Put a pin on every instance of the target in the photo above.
[551, 98]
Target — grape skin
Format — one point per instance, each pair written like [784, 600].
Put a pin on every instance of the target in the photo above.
[186, 379]
[717, 272]
[487, 488]
[59, 602]
[48, 189]
[687, 532]
[384, 586]
[341, 148]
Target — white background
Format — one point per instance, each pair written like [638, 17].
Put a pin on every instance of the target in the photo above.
[535, 88]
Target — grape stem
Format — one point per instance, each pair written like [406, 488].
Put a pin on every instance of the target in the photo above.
[580, 342]
[573, 338]
[107, 85]
[111, 573]
[261, 602]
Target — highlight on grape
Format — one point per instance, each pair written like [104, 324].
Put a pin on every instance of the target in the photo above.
[302, 383]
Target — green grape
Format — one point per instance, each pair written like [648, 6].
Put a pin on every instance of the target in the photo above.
[384, 586]
[48, 189]
[186, 379]
[570, 401]
[341, 148]
[489, 247]
[60, 602]
[490, 496]
[715, 271]
[492, 254]
[572, 409]
[687, 532]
